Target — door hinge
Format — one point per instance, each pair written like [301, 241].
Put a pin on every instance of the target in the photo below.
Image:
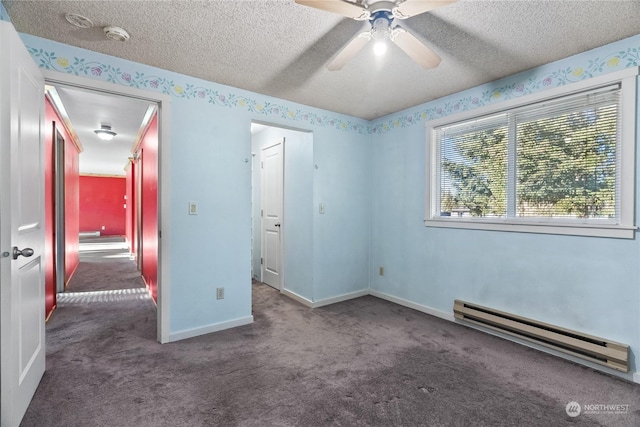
[261, 261]
[261, 212]
[261, 165]
[160, 234]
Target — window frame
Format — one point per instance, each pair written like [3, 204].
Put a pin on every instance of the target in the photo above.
[625, 228]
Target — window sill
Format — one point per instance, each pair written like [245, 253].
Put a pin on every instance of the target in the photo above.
[611, 231]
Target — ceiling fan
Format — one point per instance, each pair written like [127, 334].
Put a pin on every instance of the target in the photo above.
[382, 15]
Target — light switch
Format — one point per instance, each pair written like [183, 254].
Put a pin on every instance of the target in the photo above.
[193, 208]
[321, 208]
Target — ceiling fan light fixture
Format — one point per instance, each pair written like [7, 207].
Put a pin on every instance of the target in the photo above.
[379, 48]
[105, 133]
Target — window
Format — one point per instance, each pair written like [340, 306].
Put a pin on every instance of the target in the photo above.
[559, 162]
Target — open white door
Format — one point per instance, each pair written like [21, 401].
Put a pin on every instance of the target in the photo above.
[22, 301]
[272, 190]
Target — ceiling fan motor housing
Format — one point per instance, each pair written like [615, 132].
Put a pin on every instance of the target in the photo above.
[381, 24]
[376, 5]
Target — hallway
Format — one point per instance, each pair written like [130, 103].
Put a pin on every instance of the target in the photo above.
[105, 269]
[105, 311]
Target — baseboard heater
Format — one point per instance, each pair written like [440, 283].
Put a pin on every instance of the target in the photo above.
[89, 234]
[588, 347]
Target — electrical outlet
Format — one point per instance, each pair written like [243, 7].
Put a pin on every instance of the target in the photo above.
[381, 271]
[193, 208]
[220, 293]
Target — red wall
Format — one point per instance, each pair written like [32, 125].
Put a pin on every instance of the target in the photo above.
[148, 164]
[102, 205]
[71, 205]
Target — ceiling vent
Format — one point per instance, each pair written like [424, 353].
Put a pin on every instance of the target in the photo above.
[116, 33]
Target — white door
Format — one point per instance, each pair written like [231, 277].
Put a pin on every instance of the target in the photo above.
[22, 302]
[272, 189]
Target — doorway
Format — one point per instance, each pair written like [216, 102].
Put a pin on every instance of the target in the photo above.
[160, 114]
[282, 209]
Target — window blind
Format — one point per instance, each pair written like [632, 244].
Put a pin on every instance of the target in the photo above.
[558, 158]
[566, 157]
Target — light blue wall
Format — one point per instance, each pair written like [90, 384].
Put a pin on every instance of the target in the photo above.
[341, 235]
[298, 207]
[4, 16]
[298, 214]
[588, 284]
[210, 163]
[211, 249]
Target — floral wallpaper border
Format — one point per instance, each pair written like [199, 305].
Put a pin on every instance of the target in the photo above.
[621, 55]
[79, 66]
[599, 61]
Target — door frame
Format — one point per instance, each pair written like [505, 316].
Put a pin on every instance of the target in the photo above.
[138, 206]
[164, 113]
[59, 211]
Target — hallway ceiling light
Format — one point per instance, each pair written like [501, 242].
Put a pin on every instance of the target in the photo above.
[105, 133]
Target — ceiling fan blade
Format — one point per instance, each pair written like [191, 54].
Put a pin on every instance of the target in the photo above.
[409, 8]
[350, 10]
[349, 51]
[415, 48]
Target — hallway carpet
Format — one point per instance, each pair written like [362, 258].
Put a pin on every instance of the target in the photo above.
[358, 363]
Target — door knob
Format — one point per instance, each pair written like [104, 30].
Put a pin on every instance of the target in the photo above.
[26, 252]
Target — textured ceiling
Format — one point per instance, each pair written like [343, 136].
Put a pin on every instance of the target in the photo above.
[280, 48]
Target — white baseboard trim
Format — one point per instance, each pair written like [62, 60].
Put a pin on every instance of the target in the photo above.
[406, 303]
[215, 327]
[340, 298]
[300, 299]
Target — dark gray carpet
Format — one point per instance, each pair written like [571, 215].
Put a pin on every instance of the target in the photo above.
[358, 363]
